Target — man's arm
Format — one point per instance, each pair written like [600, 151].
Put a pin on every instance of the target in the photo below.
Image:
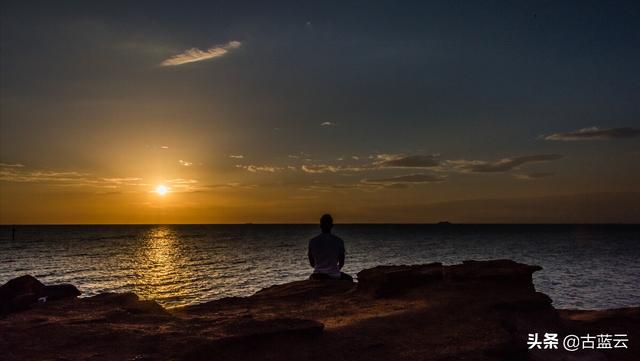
[311, 260]
[341, 255]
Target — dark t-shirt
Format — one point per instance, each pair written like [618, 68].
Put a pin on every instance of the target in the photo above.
[325, 250]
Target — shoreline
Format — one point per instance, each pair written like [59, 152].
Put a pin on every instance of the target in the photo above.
[477, 310]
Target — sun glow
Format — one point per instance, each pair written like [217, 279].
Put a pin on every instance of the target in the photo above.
[161, 189]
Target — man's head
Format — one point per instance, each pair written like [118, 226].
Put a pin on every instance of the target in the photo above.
[326, 223]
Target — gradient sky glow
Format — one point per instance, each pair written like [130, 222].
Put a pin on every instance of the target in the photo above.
[472, 111]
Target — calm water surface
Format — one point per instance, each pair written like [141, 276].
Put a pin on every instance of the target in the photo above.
[584, 266]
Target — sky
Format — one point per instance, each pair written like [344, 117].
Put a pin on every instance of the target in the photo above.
[400, 112]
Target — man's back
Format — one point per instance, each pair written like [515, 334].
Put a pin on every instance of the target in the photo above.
[326, 250]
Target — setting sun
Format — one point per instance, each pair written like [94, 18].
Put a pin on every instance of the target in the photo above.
[162, 189]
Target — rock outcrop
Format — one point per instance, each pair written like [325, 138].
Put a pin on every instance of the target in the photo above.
[20, 293]
[478, 310]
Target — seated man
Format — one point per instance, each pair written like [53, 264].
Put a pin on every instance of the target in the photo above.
[326, 253]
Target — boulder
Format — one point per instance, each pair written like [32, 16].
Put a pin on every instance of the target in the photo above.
[57, 292]
[389, 281]
[21, 292]
[306, 289]
[128, 302]
[489, 272]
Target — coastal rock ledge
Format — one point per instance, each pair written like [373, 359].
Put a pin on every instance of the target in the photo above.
[477, 310]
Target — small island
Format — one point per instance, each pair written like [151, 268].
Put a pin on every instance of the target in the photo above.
[477, 310]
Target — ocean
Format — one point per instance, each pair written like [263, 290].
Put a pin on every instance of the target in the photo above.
[584, 266]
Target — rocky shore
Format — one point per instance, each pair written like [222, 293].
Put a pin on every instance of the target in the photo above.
[478, 310]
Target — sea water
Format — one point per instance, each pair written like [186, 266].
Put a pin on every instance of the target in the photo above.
[584, 266]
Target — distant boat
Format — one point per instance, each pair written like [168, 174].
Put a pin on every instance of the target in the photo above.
[444, 223]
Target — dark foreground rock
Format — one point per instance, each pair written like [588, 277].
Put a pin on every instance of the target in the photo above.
[20, 293]
[472, 311]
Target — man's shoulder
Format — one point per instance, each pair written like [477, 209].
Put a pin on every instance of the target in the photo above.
[315, 239]
[325, 236]
[337, 238]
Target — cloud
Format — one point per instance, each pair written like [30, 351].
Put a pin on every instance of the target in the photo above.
[236, 156]
[386, 161]
[327, 168]
[535, 175]
[123, 180]
[184, 185]
[16, 165]
[328, 187]
[411, 178]
[400, 161]
[300, 155]
[12, 173]
[185, 163]
[261, 168]
[502, 165]
[327, 124]
[194, 54]
[595, 133]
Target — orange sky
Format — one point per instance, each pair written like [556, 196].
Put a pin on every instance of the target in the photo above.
[435, 111]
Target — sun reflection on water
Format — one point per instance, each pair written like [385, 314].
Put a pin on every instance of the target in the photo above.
[160, 267]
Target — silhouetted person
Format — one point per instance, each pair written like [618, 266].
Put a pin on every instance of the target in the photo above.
[326, 253]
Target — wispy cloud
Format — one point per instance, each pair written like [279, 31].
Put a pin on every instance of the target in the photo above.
[595, 133]
[15, 165]
[302, 155]
[328, 168]
[261, 168]
[236, 156]
[22, 174]
[410, 178]
[502, 165]
[185, 163]
[194, 54]
[183, 185]
[401, 161]
[327, 124]
[532, 176]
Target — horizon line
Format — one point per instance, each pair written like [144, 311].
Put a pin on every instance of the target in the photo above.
[443, 223]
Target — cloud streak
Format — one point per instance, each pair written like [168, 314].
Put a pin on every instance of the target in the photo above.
[595, 133]
[410, 178]
[194, 54]
[261, 168]
[411, 161]
[502, 165]
[535, 175]
[21, 174]
[328, 168]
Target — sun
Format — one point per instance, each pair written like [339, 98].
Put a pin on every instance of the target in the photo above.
[161, 189]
